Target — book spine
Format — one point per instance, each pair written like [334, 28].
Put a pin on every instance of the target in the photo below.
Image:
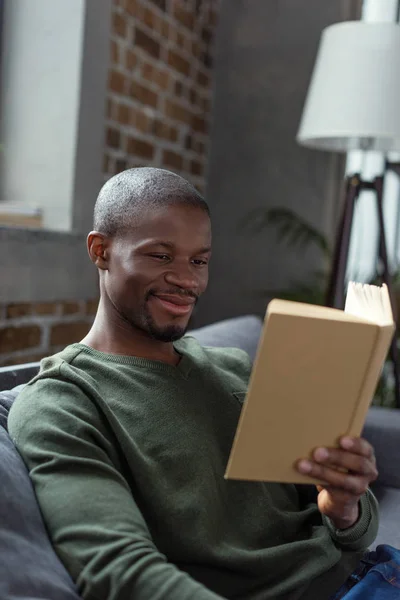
[373, 371]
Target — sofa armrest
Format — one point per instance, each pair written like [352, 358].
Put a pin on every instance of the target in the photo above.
[17, 374]
[382, 430]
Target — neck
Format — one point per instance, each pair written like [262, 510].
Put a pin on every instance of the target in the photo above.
[112, 335]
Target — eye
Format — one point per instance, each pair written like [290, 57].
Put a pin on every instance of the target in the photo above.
[160, 256]
[200, 262]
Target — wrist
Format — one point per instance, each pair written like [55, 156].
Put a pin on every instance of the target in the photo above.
[348, 518]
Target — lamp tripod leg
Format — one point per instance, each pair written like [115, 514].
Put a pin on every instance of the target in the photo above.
[386, 276]
[335, 292]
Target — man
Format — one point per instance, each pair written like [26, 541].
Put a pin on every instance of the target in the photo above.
[127, 434]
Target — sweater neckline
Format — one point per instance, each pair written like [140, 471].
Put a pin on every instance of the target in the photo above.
[182, 368]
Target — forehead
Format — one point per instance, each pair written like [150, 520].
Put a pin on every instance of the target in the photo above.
[176, 223]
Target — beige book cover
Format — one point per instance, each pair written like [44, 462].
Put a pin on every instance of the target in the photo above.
[313, 380]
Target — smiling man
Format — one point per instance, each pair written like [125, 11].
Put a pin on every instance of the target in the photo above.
[126, 434]
[152, 246]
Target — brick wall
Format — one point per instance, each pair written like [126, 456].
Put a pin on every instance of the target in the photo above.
[159, 88]
[28, 332]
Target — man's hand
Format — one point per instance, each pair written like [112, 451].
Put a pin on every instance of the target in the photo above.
[346, 472]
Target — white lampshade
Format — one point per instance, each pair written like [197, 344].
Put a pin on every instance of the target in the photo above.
[353, 101]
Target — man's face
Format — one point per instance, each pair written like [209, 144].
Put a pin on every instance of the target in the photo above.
[159, 268]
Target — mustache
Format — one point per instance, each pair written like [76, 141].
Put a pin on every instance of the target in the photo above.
[174, 292]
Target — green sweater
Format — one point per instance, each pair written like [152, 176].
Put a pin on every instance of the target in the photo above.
[127, 457]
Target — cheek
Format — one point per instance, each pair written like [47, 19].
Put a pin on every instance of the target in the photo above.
[203, 281]
[133, 278]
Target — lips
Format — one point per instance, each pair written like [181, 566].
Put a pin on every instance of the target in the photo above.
[175, 305]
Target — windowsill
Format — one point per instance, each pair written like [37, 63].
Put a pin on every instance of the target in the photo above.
[20, 216]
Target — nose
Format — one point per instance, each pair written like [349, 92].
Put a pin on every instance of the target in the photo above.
[182, 276]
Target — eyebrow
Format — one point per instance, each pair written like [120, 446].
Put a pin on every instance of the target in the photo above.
[170, 246]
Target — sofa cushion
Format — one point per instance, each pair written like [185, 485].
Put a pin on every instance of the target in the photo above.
[389, 515]
[382, 429]
[240, 332]
[29, 567]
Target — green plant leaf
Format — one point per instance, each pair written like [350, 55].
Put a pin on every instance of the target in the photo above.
[290, 228]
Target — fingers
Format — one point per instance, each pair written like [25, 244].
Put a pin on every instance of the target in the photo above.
[345, 460]
[357, 446]
[351, 468]
[353, 484]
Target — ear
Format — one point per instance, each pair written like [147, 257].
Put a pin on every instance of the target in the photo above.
[98, 248]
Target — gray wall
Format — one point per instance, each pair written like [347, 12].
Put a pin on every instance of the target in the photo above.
[264, 59]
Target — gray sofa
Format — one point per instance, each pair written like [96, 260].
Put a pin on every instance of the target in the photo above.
[29, 569]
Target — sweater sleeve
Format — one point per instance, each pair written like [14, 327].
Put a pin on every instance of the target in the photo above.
[357, 537]
[94, 523]
[361, 535]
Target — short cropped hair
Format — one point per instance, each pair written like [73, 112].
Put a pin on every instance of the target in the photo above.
[125, 195]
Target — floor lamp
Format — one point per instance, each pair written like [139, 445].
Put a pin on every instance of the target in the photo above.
[353, 104]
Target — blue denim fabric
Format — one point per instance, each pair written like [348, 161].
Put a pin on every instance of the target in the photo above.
[377, 577]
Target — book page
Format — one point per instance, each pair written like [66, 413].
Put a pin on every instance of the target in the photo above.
[369, 302]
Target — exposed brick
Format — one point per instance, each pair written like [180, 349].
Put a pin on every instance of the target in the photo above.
[196, 168]
[204, 104]
[70, 308]
[163, 130]
[200, 148]
[147, 71]
[195, 49]
[131, 7]
[158, 76]
[147, 43]
[46, 308]
[130, 59]
[179, 63]
[113, 137]
[193, 96]
[149, 18]
[206, 59]
[18, 310]
[206, 35]
[124, 114]
[160, 3]
[120, 165]
[178, 88]
[188, 142]
[213, 18]
[182, 15]
[172, 159]
[143, 94]
[114, 52]
[117, 82]
[203, 79]
[63, 334]
[199, 124]
[140, 148]
[180, 39]
[143, 121]
[178, 112]
[91, 307]
[162, 78]
[165, 29]
[19, 338]
[119, 25]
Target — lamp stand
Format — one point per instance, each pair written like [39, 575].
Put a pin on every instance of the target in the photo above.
[336, 286]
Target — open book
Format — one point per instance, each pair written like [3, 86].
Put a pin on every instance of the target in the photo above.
[313, 380]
